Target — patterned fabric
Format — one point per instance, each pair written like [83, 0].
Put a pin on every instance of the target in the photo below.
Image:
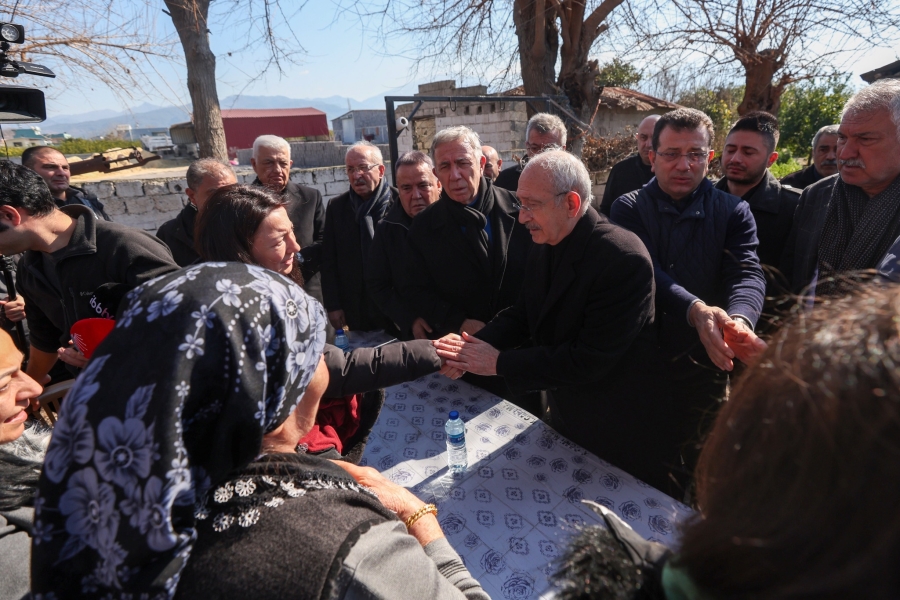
[202, 363]
[858, 233]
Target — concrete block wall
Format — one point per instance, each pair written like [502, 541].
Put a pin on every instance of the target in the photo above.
[147, 204]
[312, 154]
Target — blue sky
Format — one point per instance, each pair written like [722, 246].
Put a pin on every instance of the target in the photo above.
[342, 59]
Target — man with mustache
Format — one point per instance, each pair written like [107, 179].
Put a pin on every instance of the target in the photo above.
[709, 284]
[825, 163]
[350, 222]
[418, 189]
[632, 173]
[748, 154]
[271, 161]
[849, 222]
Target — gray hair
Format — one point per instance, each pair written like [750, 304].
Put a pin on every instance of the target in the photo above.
[200, 169]
[414, 158]
[370, 149]
[459, 133]
[272, 142]
[883, 94]
[568, 175]
[545, 123]
[827, 130]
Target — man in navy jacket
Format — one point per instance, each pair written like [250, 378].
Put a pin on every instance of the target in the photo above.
[709, 283]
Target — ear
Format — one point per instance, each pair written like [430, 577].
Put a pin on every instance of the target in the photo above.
[483, 161]
[712, 155]
[190, 194]
[772, 158]
[253, 163]
[573, 204]
[499, 163]
[10, 216]
[291, 164]
[380, 170]
[652, 156]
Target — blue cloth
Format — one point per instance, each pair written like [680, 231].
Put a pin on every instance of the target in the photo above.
[705, 252]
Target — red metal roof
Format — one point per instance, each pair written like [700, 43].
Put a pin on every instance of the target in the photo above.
[250, 113]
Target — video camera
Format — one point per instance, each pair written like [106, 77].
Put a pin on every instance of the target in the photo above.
[19, 104]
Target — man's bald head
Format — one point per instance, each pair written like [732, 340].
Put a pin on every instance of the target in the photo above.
[52, 166]
[493, 162]
[644, 136]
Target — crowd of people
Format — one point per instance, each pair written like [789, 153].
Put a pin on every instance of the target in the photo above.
[648, 326]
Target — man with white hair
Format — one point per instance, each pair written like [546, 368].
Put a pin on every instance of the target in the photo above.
[204, 177]
[824, 157]
[466, 251]
[582, 327]
[272, 162]
[543, 131]
[849, 222]
[350, 223]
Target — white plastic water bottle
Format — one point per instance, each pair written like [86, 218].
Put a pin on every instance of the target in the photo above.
[457, 458]
[341, 341]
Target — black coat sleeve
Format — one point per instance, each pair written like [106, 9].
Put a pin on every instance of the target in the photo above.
[330, 289]
[384, 269]
[312, 254]
[367, 369]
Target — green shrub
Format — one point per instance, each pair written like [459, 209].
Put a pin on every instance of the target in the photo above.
[780, 169]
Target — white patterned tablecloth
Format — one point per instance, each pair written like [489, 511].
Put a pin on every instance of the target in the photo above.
[511, 514]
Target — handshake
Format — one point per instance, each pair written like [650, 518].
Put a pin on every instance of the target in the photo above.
[465, 354]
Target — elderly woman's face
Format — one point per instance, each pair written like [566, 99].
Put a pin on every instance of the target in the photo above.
[273, 245]
[16, 389]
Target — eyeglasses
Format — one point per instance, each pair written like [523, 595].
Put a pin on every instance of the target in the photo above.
[536, 207]
[538, 148]
[360, 169]
[692, 157]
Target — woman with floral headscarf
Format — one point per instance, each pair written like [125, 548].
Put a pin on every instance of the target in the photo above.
[170, 470]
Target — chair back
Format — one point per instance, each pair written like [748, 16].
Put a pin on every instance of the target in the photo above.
[50, 400]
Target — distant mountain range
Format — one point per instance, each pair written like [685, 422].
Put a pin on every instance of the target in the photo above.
[101, 122]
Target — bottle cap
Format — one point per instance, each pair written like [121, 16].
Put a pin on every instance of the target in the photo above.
[454, 415]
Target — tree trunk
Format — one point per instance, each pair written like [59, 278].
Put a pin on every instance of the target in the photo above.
[190, 19]
[760, 90]
[537, 53]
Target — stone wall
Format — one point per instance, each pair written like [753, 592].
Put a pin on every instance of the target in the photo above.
[147, 204]
[313, 154]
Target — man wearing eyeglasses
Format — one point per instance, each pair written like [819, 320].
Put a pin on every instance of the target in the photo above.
[350, 222]
[542, 131]
[582, 327]
[709, 283]
[271, 161]
[632, 173]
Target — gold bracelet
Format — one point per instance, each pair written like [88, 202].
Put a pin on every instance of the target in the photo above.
[427, 509]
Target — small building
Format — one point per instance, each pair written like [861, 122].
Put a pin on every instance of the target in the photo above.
[358, 125]
[27, 137]
[622, 110]
[891, 71]
[243, 125]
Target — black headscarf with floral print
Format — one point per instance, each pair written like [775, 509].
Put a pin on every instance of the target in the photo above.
[201, 364]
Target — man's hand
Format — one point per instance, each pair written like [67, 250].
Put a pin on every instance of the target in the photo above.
[471, 326]
[337, 319]
[709, 322]
[470, 354]
[72, 356]
[451, 372]
[745, 344]
[14, 309]
[421, 329]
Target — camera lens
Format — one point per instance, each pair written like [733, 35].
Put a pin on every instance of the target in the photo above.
[9, 33]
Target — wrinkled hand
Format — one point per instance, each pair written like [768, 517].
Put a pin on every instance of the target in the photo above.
[14, 309]
[472, 326]
[747, 346]
[337, 319]
[421, 329]
[451, 372]
[394, 497]
[72, 356]
[468, 354]
[709, 322]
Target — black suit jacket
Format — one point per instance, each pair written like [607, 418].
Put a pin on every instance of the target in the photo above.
[307, 214]
[178, 235]
[626, 176]
[386, 269]
[446, 282]
[584, 331]
[801, 253]
[343, 267]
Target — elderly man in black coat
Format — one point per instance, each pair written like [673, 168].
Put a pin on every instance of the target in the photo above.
[582, 328]
[386, 269]
[466, 251]
[204, 177]
[271, 161]
[350, 223]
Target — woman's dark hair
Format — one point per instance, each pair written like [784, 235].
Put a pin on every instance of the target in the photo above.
[228, 221]
[798, 484]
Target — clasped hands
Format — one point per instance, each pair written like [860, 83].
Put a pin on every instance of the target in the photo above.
[466, 353]
[725, 338]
